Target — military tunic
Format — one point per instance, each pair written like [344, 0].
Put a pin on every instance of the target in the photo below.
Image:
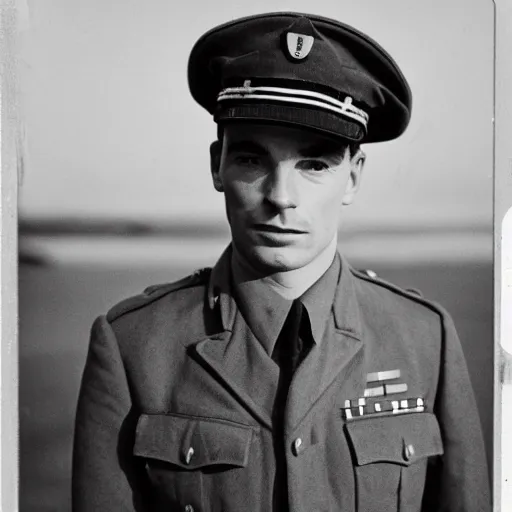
[175, 408]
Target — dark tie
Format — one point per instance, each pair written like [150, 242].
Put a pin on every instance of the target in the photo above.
[291, 347]
[288, 347]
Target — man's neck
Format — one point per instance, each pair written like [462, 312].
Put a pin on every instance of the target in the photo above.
[292, 283]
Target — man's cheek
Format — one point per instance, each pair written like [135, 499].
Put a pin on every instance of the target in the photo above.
[327, 218]
[241, 198]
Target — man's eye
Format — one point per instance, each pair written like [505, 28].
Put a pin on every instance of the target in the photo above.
[312, 165]
[247, 160]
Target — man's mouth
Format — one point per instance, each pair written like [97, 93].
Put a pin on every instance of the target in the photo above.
[269, 228]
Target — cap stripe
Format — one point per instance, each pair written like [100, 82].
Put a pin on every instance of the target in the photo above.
[286, 95]
[303, 101]
[347, 104]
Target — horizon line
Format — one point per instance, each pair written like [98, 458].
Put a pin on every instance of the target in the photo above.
[101, 226]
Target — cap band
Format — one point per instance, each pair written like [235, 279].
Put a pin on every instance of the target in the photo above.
[297, 96]
[324, 121]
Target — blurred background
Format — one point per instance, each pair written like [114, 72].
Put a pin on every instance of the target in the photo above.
[116, 195]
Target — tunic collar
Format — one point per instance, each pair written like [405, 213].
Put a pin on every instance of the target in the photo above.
[319, 298]
[265, 311]
[345, 305]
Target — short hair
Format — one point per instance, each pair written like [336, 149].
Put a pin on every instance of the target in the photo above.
[353, 147]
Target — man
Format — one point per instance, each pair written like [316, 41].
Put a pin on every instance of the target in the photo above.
[282, 379]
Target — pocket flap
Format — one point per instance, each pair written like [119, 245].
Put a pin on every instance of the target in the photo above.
[192, 442]
[401, 439]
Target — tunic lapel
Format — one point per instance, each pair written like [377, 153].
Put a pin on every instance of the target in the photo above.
[240, 361]
[235, 356]
[339, 356]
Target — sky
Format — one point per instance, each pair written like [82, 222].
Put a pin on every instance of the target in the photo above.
[112, 131]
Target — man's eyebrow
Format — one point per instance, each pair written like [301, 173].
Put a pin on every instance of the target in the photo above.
[324, 150]
[246, 146]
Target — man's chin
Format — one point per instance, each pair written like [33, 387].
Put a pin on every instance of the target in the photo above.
[269, 260]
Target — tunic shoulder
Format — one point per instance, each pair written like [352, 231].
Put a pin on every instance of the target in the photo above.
[155, 292]
[412, 294]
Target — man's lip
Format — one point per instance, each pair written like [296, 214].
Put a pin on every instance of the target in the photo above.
[277, 229]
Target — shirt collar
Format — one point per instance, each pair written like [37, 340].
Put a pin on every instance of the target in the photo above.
[265, 311]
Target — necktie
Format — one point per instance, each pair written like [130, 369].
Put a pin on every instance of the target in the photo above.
[290, 349]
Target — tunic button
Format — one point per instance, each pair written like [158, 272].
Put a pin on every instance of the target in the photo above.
[189, 508]
[297, 446]
[409, 452]
[188, 458]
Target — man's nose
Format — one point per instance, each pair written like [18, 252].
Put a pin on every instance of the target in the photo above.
[281, 187]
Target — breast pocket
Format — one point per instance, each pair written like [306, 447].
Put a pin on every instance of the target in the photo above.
[390, 459]
[179, 450]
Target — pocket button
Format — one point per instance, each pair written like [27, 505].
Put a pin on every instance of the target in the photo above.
[409, 452]
[188, 458]
[298, 446]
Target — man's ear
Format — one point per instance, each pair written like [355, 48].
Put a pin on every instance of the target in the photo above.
[355, 177]
[215, 154]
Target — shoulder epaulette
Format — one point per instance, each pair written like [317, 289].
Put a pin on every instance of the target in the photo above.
[413, 293]
[155, 292]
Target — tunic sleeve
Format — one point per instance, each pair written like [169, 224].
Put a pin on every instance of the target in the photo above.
[105, 475]
[458, 480]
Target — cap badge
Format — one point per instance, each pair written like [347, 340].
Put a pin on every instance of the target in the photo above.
[299, 45]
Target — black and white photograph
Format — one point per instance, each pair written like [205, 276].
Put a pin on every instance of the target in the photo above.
[256, 256]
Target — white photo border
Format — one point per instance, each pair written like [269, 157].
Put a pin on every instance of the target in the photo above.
[502, 485]
[9, 124]
[9, 131]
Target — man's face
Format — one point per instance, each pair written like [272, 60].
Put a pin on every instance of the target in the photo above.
[284, 190]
